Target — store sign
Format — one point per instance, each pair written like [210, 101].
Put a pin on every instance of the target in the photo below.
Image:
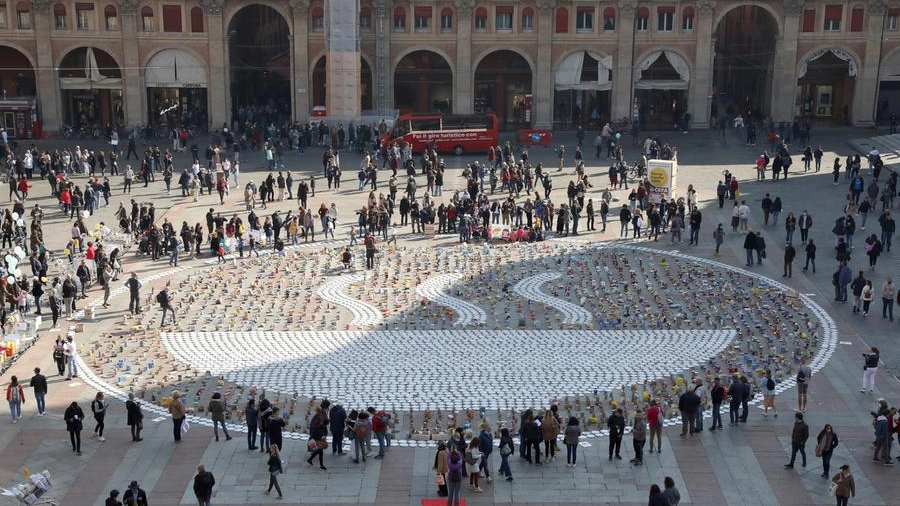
[661, 175]
[176, 85]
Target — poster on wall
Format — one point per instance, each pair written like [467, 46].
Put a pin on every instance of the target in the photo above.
[661, 174]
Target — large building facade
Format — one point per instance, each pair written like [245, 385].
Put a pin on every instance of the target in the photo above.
[543, 63]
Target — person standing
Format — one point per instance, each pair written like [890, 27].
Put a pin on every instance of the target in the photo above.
[616, 425]
[750, 246]
[71, 352]
[39, 384]
[887, 299]
[15, 395]
[98, 408]
[59, 355]
[135, 495]
[454, 477]
[251, 414]
[826, 442]
[74, 417]
[767, 387]
[870, 368]
[810, 256]
[789, 254]
[216, 409]
[736, 395]
[134, 291]
[179, 413]
[571, 438]
[717, 396]
[655, 422]
[317, 432]
[639, 437]
[473, 458]
[274, 426]
[670, 492]
[844, 486]
[804, 374]
[804, 222]
[337, 418]
[799, 435]
[203, 485]
[369, 243]
[134, 417]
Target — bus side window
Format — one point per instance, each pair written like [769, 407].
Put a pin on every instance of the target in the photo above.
[429, 124]
[400, 129]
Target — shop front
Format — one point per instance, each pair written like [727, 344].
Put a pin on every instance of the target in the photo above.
[581, 96]
[19, 117]
[825, 83]
[91, 86]
[176, 85]
[661, 83]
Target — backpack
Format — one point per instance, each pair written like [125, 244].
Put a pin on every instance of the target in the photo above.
[360, 430]
[159, 297]
[801, 376]
[505, 450]
[14, 394]
[770, 384]
[470, 459]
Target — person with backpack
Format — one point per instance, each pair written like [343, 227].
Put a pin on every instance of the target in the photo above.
[15, 395]
[203, 485]
[767, 387]
[380, 421]
[507, 447]
[454, 477]
[361, 434]
[486, 447]
[166, 305]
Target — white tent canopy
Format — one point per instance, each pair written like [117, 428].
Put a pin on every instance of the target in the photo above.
[93, 78]
[174, 68]
[839, 53]
[568, 75]
[677, 62]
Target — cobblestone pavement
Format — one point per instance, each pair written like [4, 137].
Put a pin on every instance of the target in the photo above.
[738, 466]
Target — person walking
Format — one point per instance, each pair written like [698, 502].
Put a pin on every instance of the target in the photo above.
[134, 417]
[274, 465]
[165, 303]
[203, 485]
[810, 256]
[844, 486]
[217, 409]
[799, 435]
[717, 395]
[486, 447]
[15, 396]
[670, 491]
[767, 387]
[868, 293]
[39, 384]
[318, 430]
[179, 413]
[826, 442]
[719, 237]
[571, 438]
[135, 495]
[870, 368]
[98, 408]
[804, 374]
[74, 418]
[507, 448]
[887, 299]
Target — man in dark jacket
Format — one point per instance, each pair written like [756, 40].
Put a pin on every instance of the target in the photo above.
[135, 495]
[789, 254]
[736, 393]
[616, 426]
[799, 435]
[203, 485]
[688, 404]
[39, 384]
[750, 246]
[337, 419]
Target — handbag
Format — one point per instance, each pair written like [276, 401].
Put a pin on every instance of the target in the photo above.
[185, 426]
[832, 489]
[312, 445]
[322, 444]
[439, 479]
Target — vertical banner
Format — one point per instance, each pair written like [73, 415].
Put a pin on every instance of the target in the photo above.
[661, 175]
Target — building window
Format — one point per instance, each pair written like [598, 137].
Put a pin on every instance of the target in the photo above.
[609, 19]
[422, 19]
[687, 19]
[562, 20]
[446, 20]
[665, 19]
[584, 19]
[171, 18]
[504, 18]
[641, 21]
[833, 18]
[147, 19]
[59, 17]
[480, 19]
[809, 20]
[857, 15]
[83, 14]
[2, 14]
[23, 16]
[365, 18]
[527, 20]
[111, 17]
[317, 15]
[399, 19]
[893, 19]
[196, 20]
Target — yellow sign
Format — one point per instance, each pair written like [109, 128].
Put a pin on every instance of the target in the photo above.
[659, 176]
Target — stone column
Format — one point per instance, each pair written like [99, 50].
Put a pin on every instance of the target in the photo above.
[542, 89]
[865, 94]
[132, 78]
[343, 68]
[218, 77]
[702, 77]
[45, 75]
[301, 86]
[464, 77]
[622, 95]
[784, 79]
[383, 76]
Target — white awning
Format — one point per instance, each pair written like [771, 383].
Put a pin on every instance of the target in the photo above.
[173, 68]
[677, 62]
[839, 53]
[568, 74]
[93, 78]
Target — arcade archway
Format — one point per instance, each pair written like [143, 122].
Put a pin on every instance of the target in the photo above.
[503, 86]
[17, 99]
[320, 86]
[744, 62]
[423, 82]
[661, 82]
[90, 82]
[826, 79]
[259, 53]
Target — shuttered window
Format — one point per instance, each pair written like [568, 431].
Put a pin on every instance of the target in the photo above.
[171, 18]
[809, 20]
[856, 19]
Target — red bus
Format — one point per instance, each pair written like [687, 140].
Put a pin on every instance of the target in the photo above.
[451, 133]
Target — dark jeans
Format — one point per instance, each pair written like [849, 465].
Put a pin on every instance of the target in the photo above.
[798, 447]
[615, 444]
[484, 464]
[733, 412]
[176, 428]
[337, 442]
[639, 449]
[75, 437]
[717, 416]
[136, 431]
[251, 436]
[826, 462]
[744, 409]
[571, 453]
[533, 449]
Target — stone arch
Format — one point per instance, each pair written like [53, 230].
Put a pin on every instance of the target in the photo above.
[493, 49]
[431, 49]
[776, 16]
[12, 45]
[156, 50]
[280, 8]
[78, 45]
[857, 61]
